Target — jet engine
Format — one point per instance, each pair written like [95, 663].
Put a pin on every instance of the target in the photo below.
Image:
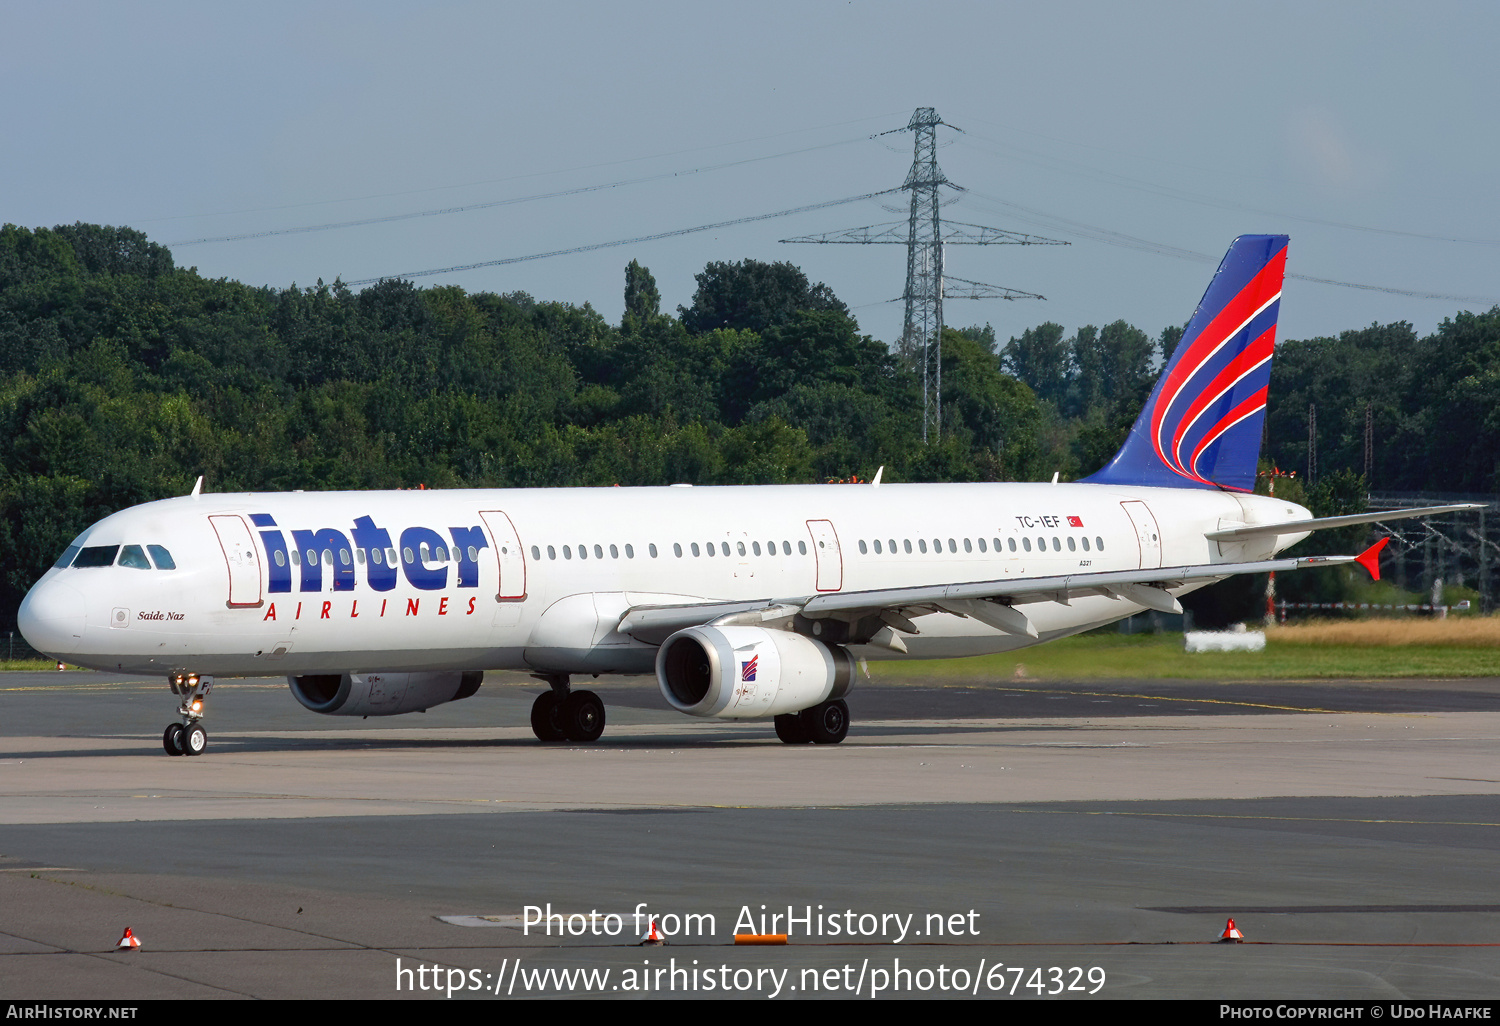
[382, 694]
[749, 672]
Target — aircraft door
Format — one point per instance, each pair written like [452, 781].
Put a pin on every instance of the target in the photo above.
[1147, 534]
[242, 559]
[510, 555]
[825, 541]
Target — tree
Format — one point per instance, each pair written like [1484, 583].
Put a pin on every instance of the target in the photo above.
[753, 295]
[1040, 359]
[642, 299]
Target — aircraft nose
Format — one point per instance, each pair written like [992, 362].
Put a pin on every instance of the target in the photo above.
[51, 618]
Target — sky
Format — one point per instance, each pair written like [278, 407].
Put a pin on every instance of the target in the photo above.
[1145, 135]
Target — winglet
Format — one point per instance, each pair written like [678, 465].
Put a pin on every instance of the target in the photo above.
[198, 487]
[1370, 558]
[876, 483]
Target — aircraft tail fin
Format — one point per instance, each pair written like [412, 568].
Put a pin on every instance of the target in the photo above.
[1201, 428]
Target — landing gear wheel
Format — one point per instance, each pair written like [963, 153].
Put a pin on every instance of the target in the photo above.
[828, 723]
[583, 716]
[171, 739]
[547, 717]
[194, 739]
[791, 729]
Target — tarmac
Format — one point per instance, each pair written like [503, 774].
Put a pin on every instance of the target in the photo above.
[1089, 839]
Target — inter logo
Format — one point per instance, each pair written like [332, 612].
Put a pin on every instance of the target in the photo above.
[747, 669]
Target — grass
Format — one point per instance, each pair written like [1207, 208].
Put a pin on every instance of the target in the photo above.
[1360, 650]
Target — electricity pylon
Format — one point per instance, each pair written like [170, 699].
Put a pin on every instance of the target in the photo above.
[925, 237]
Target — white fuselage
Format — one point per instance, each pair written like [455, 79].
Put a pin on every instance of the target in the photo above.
[273, 584]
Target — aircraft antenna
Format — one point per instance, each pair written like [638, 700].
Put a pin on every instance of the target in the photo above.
[925, 238]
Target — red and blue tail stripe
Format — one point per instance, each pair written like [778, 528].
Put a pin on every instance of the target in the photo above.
[1201, 427]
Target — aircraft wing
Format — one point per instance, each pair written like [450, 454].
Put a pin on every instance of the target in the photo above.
[1323, 523]
[990, 602]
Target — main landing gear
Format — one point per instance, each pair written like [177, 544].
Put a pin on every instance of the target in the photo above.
[188, 737]
[565, 715]
[825, 724]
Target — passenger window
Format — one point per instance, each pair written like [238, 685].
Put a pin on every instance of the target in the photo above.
[981, 545]
[66, 559]
[96, 555]
[652, 549]
[696, 551]
[677, 550]
[922, 544]
[724, 548]
[937, 545]
[164, 560]
[567, 552]
[296, 557]
[359, 556]
[1099, 544]
[1085, 543]
[629, 551]
[863, 551]
[551, 552]
[406, 553]
[1011, 544]
[1041, 544]
[583, 552]
[786, 548]
[893, 546]
[741, 547]
[280, 557]
[474, 554]
[134, 556]
[328, 557]
[344, 556]
[952, 545]
[599, 551]
[422, 551]
[709, 547]
[877, 546]
[907, 543]
[442, 553]
[755, 547]
[614, 552]
[1026, 542]
[390, 557]
[1071, 545]
[536, 553]
[1056, 544]
[802, 547]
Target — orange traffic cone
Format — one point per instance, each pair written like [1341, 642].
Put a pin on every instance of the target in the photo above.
[653, 938]
[1231, 934]
[129, 941]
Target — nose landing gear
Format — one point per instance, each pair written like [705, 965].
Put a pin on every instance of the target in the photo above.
[188, 737]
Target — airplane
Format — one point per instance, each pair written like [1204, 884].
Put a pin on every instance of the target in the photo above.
[755, 602]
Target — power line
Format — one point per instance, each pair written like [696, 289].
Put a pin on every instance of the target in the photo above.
[1168, 192]
[626, 242]
[516, 178]
[389, 218]
[1109, 237]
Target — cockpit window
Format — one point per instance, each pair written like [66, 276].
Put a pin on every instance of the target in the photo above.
[133, 556]
[66, 559]
[163, 557]
[97, 555]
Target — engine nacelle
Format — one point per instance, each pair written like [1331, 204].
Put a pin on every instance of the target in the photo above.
[749, 672]
[382, 694]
